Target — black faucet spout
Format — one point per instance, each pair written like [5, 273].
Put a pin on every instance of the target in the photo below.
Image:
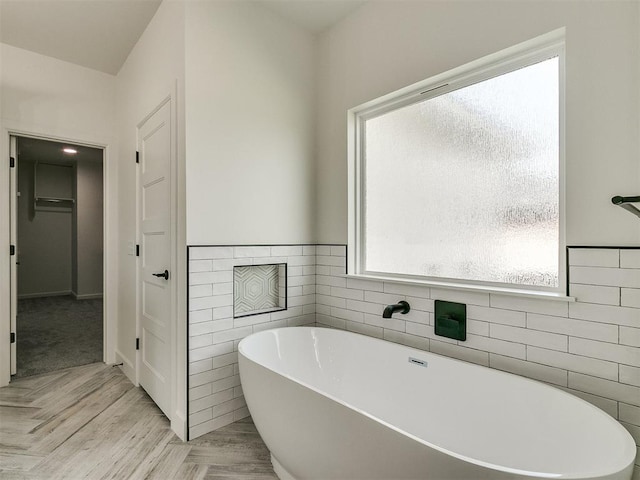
[402, 307]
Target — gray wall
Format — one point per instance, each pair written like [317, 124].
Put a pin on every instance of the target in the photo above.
[88, 231]
[44, 243]
[61, 252]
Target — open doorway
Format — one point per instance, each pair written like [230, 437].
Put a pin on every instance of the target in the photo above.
[59, 255]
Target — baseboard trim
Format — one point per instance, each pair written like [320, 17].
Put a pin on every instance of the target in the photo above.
[127, 367]
[45, 294]
[86, 296]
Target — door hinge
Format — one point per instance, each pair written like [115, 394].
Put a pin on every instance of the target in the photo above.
[137, 344]
[137, 250]
[12, 162]
[12, 249]
[13, 337]
[137, 157]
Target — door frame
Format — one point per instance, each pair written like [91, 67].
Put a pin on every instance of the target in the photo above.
[109, 241]
[13, 239]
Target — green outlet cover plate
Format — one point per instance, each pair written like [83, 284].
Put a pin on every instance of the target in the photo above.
[451, 320]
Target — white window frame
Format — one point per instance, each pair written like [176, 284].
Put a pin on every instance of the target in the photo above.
[527, 53]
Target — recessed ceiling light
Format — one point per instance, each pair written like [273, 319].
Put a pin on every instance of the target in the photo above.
[70, 151]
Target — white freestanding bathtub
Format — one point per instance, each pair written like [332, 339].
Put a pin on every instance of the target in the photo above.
[331, 404]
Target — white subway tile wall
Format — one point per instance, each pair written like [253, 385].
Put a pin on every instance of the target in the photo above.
[215, 395]
[590, 348]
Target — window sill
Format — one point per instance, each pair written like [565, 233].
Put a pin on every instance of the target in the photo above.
[513, 292]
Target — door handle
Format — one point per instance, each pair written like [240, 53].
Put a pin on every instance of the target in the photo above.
[164, 275]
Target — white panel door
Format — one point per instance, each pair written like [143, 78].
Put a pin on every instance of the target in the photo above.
[14, 259]
[154, 281]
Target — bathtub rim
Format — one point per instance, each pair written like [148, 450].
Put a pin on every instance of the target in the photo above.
[631, 454]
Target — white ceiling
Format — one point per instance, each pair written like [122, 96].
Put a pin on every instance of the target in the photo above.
[99, 34]
[314, 15]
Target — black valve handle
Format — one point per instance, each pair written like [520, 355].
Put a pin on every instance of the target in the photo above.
[164, 275]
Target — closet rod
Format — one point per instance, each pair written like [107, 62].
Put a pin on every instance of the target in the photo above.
[54, 200]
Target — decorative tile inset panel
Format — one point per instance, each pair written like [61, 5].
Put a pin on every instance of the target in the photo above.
[259, 289]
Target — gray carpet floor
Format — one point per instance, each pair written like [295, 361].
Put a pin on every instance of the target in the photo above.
[57, 332]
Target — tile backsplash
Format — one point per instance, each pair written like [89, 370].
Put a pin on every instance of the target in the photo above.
[590, 347]
[214, 393]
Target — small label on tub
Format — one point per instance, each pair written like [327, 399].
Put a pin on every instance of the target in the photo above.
[417, 361]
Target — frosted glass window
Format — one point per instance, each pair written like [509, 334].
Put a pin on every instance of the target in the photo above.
[465, 185]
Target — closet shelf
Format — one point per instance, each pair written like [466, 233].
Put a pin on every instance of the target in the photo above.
[55, 200]
[53, 187]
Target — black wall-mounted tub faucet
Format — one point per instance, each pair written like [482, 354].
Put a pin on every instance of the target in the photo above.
[401, 306]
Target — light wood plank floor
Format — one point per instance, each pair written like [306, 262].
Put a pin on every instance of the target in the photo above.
[90, 422]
